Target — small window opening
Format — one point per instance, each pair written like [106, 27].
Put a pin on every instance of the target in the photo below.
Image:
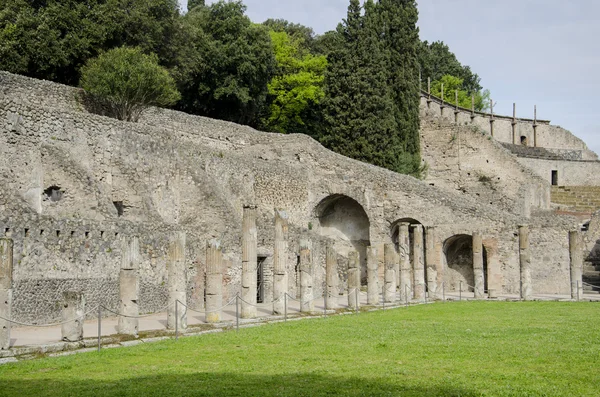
[87, 234]
[26, 232]
[523, 140]
[72, 233]
[120, 207]
[54, 193]
[554, 178]
[7, 231]
[116, 234]
[58, 233]
[42, 232]
[260, 279]
[101, 234]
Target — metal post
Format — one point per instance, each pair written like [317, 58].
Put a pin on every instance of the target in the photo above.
[325, 301]
[237, 312]
[285, 306]
[99, 325]
[176, 320]
[383, 296]
[426, 289]
[460, 291]
[443, 292]
[356, 304]
[579, 286]
[406, 294]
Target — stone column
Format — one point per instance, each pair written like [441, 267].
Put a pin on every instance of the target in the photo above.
[431, 260]
[280, 258]
[129, 287]
[249, 262]
[405, 284]
[214, 281]
[307, 304]
[372, 276]
[525, 263]
[177, 281]
[478, 275]
[391, 262]
[418, 265]
[6, 271]
[576, 263]
[332, 278]
[73, 309]
[353, 280]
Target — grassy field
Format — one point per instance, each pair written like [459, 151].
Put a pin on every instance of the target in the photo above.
[452, 349]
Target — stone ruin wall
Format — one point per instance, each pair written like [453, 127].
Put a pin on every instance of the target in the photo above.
[174, 171]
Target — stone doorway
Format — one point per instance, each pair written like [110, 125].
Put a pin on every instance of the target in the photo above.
[458, 253]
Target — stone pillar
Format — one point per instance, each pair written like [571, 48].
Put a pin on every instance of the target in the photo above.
[307, 304]
[214, 281]
[280, 258]
[372, 276]
[6, 271]
[418, 265]
[353, 280]
[431, 260]
[525, 263]
[129, 287]
[249, 262]
[405, 284]
[177, 281]
[391, 262]
[576, 264]
[478, 275]
[332, 278]
[73, 309]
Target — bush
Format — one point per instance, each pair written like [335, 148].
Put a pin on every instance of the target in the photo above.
[128, 81]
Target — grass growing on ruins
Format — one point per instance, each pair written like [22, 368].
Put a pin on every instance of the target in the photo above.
[452, 349]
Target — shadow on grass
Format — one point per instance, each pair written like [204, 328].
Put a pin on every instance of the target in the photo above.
[213, 384]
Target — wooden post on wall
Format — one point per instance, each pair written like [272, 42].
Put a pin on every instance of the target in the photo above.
[534, 125]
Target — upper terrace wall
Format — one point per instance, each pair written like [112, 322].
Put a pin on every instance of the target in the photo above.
[546, 135]
[173, 171]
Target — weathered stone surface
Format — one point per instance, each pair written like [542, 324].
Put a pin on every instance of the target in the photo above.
[129, 287]
[405, 279]
[73, 308]
[280, 262]
[307, 303]
[373, 289]
[331, 277]
[431, 263]
[478, 274]
[6, 263]
[525, 263]
[5, 312]
[391, 262]
[353, 280]
[214, 281]
[418, 264]
[249, 262]
[177, 282]
[576, 264]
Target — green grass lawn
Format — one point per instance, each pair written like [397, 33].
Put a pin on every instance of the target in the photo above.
[452, 349]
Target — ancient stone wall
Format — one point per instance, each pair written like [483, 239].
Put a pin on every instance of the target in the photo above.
[66, 170]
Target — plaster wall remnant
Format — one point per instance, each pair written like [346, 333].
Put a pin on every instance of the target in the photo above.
[6, 281]
[418, 265]
[391, 262]
[177, 282]
[73, 312]
[576, 264]
[214, 281]
[307, 302]
[128, 323]
[280, 262]
[249, 262]
[478, 274]
[525, 262]
[405, 279]
[194, 184]
[353, 280]
[372, 276]
[332, 277]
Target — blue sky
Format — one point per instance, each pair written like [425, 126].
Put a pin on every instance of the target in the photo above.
[534, 52]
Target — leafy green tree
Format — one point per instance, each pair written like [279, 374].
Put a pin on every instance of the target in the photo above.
[302, 35]
[454, 85]
[128, 81]
[233, 65]
[297, 85]
[436, 60]
[195, 3]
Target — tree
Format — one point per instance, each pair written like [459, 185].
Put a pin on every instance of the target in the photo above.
[195, 3]
[303, 35]
[128, 81]
[235, 62]
[297, 86]
[454, 85]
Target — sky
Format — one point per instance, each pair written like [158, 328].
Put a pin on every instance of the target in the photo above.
[533, 52]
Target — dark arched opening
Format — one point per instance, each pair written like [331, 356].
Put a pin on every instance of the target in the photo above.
[458, 252]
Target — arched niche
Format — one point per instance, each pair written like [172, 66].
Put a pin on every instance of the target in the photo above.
[344, 220]
[458, 254]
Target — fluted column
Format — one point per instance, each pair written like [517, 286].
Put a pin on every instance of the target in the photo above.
[478, 274]
[214, 281]
[177, 281]
[307, 304]
[418, 265]
[405, 278]
[249, 262]
[280, 257]
[525, 263]
[332, 278]
[129, 287]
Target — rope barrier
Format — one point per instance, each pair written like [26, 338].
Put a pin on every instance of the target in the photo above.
[52, 324]
[143, 316]
[208, 311]
[590, 285]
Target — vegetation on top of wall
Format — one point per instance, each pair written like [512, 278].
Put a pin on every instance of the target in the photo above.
[355, 89]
